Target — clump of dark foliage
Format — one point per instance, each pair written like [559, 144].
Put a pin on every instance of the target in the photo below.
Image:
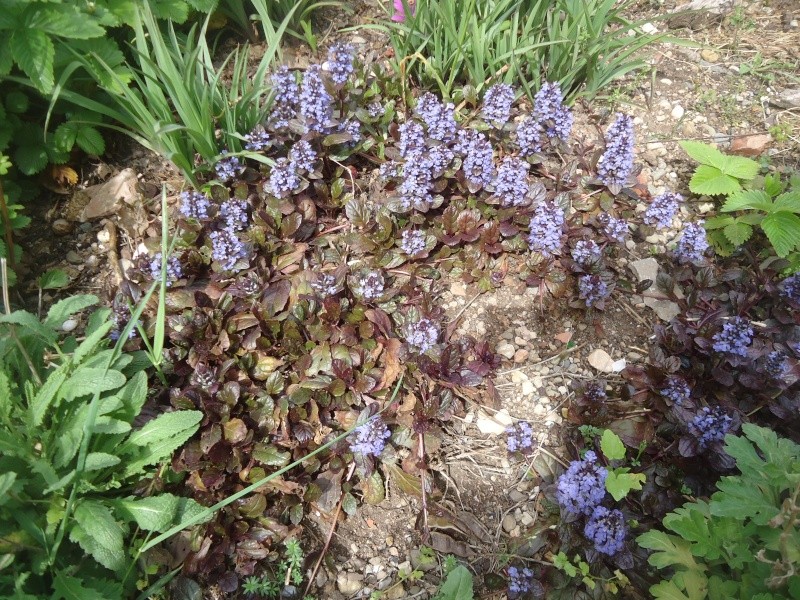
[305, 291]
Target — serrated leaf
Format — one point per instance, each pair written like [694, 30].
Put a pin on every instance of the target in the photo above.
[666, 590]
[30, 158]
[718, 222]
[72, 588]
[46, 394]
[64, 136]
[89, 381]
[96, 461]
[33, 52]
[159, 438]
[783, 231]
[738, 233]
[90, 141]
[748, 199]
[30, 325]
[64, 20]
[742, 501]
[99, 534]
[612, 446]
[156, 513]
[619, 484]
[705, 154]
[457, 586]
[7, 479]
[67, 307]
[713, 182]
[790, 201]
[53, 279]
[668, 550]
[5, 395]
[740, 167]
[204, 6]
[171, 10]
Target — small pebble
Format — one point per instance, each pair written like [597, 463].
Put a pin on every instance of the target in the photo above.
[69, 325]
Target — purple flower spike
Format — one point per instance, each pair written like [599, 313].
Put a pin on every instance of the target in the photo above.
[339, 63]
[316, 104]
[616, 164]
[228, 167]
[551, 111]
[287, 97]
[546, 228]
[413, 242]
[234, 212]
[370, 438]
[174, 268]
[529, 136]
[412, 138]
[735, 337]
[511, 182]
[520, 438]
[586, 252]
[662, 210]
[497, 104]
[226, 249]
[422, 335]
[592, 289]
[478, 165]
[710, 426]
[606, 529]
[194, 205]
[676, 389]
[439, 117]
[692, 245]
[520, 581]
[615, 229]
[583, 486]
[790, 288]
[372, 285]
[283, 179]
[256, 140]
[303, 156]
[325, 285]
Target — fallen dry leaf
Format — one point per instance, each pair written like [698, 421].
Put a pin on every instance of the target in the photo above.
[601, 360]
[564, 337]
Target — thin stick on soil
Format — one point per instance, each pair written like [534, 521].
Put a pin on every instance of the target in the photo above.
[466, 306]
[329, 538]
[421, 456]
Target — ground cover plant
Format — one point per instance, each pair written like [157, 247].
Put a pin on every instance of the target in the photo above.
[582, 45]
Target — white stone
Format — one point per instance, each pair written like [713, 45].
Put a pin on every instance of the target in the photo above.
[506, 349]
[527, 388]
[677, 112]
[69, 325]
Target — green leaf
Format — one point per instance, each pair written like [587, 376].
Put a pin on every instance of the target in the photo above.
[156, 513]
[95, 461]
[7, 479]
[748, 199]
[6, 60]
[159, 438]
[790, 201]
[64, 136]
[72, 588]
[619, 483]
[172, 10]
[705, 154]
[65, 21]
[88, 346]
[718, 222]
[783, 231]
[53, 279]
[99, 534]
[17, 102]
[90, 141]
[67, 307]
[742, 501]
[713, 182]
[740, 167]
[30, 326]
[87, 381]
[738, 233]
[5, 395]
[666, 590]
[668, 550]
[46, 394]
[457, 586]
[612, 446]
[33, 52]
[204, 6]
[30, 158]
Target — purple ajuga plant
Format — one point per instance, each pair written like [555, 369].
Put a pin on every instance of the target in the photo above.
[662, 210]
[546, 228]
[283, 179]
[519, 438]
[372, 285]
[710, 426]
[594, 392]
[586, 253]
[303, 156]
[194, 205]
[228, 167]
[316, 104]
[412, 242]
[790, 288]
[497, 104]
[439, 159]
[549, 107]
[340, 63]
[529, 136]
[257, 140]
[226, 249]
[616, 163]
[520, 581]
[375, 110]
[775, 364]
[613, 228]
[592, 289]
[439, 117]
[174, 268]
[234, 213]
[287, 97]
[389, 170]
[422, 335]
[478, 163]
[692, 245]
[583, 486]
[325, 285]
[606, 529]
[412, 138]
[370, 438]
[676, 389]
[352, 127]
[415, 187]
[511, 182]
[735, 337]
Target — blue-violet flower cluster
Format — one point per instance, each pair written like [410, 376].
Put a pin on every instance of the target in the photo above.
[606, 529]
[256, 140]
[548, 105]
[735, 337]
[316, 104]
[592, 289]
[520, 437]
[790, 288]
[234, 213]
[616, 163]
[422, 335]
[174, 268]
[303, 156]
[226, 249]
[497, 104]
[511, 182]
[478, 165]
[370, 438]
[583, 486]
[412, 242]
[615, 229]
[676, 389]
[439, 117]
[372, 285]
[692, 245]
[283, 179]
[324, 285]
[228, 167]
[710, 426]
[340, 63]
[775, 365]
[520, 581]
[586, 252]
[412, 138]
[662, 210]
[529, 136]
[287, 97]
[194, 205]
[546, 227]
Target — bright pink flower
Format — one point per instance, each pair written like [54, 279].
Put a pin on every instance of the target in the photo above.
[400, 10]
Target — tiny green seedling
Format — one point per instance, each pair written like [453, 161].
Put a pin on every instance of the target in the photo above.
[620, 481]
